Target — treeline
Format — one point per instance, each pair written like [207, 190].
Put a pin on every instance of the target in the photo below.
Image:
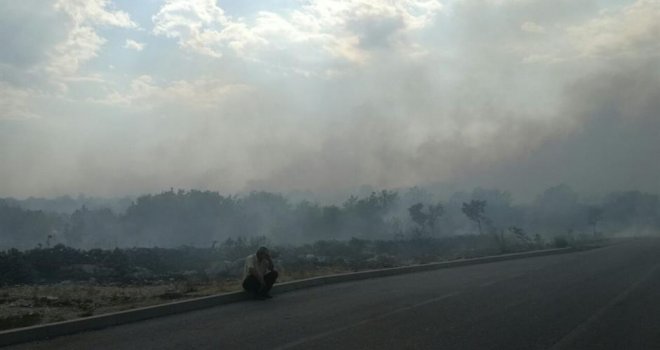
[204, 218]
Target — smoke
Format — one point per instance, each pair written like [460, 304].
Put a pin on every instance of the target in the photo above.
[613, 143]
[515, 95]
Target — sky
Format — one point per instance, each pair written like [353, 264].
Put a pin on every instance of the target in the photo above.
[122, 97]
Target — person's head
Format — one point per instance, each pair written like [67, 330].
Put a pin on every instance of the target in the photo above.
[262, 253]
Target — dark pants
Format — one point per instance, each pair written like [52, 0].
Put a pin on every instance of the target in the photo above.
[251, 283]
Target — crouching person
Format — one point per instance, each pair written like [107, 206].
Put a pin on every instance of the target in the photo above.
[259, 274]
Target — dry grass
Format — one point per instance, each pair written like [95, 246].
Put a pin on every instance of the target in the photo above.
[28, 305]
[22, 306]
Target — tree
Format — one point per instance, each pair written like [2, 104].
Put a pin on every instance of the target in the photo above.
[426, 219]
[474, 210]
[417, 215]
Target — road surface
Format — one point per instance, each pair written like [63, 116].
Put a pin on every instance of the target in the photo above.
[606, 298]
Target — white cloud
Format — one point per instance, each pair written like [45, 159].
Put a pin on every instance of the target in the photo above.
[354, 30]
[200, 26]
[81, 45]
[95, 12]
[83, 42]
[134, 45]
[325, 29]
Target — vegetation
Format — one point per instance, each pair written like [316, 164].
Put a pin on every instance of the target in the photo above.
[199, 218]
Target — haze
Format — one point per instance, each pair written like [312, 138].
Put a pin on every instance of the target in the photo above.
[113, 98]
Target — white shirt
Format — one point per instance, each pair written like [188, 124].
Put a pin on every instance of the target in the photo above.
[253, 262]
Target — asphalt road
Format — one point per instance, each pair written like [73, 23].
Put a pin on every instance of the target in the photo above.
[605, 298]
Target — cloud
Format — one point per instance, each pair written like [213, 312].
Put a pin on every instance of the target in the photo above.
[95, 12]
[81, 45]
[134, 45]
[200, 26]
[339, 29]
[83, 42]
[351, 29]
